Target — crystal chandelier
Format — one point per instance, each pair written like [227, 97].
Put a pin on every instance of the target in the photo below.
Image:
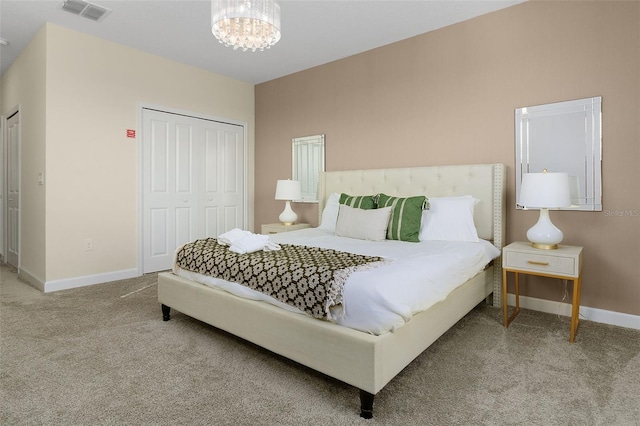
[246, 24]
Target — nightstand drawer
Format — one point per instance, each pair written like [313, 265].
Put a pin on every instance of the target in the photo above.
[556, 265]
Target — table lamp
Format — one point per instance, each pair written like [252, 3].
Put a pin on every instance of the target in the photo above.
[544, 191]
[288, 190]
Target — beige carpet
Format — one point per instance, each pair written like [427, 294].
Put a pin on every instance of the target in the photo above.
[101, 355]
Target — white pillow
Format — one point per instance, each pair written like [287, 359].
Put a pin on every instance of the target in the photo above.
[330, 213]
[449, 219]
[363, 224]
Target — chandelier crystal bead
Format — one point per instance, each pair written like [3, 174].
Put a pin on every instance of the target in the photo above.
[246, 24]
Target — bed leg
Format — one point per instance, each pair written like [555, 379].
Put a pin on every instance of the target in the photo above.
[166, 310]
[366, 404]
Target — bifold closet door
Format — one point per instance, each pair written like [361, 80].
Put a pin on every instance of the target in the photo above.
[193, 183]
[13, 190]
[222, 194]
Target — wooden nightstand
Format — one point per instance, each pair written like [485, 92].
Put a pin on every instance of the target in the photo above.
[276, 228]
[564, 263]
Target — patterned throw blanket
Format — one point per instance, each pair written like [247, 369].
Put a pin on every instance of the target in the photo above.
[311, 279]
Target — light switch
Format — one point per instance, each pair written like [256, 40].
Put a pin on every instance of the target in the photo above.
[40, 178]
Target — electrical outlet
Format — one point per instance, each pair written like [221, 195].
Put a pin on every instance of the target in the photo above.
[88, 244]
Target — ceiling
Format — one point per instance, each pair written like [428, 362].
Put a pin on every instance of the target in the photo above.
[313, 32]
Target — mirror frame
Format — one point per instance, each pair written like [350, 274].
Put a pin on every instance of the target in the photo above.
[308, 160]
[563, 137]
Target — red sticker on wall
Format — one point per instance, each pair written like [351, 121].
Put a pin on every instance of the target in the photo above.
[131, 133]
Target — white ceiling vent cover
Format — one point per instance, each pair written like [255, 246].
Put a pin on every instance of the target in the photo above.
[85, 9]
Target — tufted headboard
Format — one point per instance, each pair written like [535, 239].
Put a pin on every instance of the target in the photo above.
[483, 181]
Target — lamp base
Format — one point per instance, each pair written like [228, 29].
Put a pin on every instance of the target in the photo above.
[544, 246]
[288, 216]
[544, 234]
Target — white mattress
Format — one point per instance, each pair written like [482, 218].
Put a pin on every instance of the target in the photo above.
[382, 299]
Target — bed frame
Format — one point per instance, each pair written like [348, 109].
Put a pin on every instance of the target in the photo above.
[362, 360]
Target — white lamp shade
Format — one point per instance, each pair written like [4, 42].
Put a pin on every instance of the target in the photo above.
[288, 190]
[545, 190]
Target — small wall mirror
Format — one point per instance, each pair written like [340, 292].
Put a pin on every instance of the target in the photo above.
[308, 162]
[563, 137]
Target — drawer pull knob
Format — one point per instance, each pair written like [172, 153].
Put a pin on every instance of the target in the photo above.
[533, 262]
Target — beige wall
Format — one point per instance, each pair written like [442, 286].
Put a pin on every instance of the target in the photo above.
[449, 96]
[23, 86]
[94, 89]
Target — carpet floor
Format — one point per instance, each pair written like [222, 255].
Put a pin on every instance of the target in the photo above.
[101, 355]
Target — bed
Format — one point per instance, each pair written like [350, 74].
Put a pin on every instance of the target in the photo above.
[365, 361]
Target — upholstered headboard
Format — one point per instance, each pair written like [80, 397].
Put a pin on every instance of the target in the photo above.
[483, 181]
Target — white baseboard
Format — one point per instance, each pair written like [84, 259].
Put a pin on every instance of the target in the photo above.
[30, 279]
[68, 283]
[590, 314]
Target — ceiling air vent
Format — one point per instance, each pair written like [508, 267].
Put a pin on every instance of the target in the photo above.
[85, 9]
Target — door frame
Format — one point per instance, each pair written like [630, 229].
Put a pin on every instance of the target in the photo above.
[140, 140]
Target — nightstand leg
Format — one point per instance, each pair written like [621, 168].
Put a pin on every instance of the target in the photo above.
[507, 320]
[575, 309]
[517, 310]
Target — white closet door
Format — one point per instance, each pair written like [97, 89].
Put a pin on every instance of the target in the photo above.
[193, 183]
[13, 190]
[170, 190]
[223, 192]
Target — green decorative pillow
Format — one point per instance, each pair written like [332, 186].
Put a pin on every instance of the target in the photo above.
[366, 202]
[406, 214]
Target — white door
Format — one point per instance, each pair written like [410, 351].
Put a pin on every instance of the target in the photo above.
[13, 190]
[222, 195]
[193, 183]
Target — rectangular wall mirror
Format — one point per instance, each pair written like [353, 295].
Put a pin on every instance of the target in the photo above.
[563, 137]
[308, 162]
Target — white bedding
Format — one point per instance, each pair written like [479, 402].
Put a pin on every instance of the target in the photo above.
[382, 299]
